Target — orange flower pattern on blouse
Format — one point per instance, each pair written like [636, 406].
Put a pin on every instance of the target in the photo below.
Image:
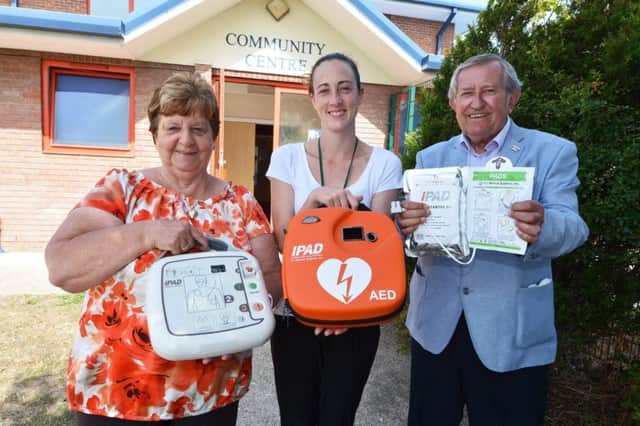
[113, 370]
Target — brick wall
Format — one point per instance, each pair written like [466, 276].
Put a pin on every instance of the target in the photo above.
[424, 33]
[372, 121]
[70, 6]
[5, 2]
[36, 189]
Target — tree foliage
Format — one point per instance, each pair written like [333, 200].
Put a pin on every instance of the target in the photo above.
[579, 61]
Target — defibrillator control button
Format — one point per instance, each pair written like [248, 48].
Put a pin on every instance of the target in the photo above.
[466, 290]
[244, 307]
[239, 286]
[253, 286]
[258, 307]
[372, 237]
[311, 219]
[249, 270]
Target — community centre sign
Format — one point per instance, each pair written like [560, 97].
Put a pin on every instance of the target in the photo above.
[275, 55]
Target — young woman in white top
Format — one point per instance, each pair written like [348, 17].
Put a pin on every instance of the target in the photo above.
[320, 373]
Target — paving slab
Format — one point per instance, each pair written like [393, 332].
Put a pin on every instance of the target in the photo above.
[25, 273]
[385, 400]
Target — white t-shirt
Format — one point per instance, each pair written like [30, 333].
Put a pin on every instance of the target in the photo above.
[289, 164]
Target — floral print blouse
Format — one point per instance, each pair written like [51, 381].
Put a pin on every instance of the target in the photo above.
[113, 370]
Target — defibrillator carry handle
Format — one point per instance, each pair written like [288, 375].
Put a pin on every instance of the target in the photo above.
[217, 244]
[361, 207]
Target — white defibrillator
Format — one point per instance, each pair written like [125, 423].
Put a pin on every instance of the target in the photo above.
[207, 304]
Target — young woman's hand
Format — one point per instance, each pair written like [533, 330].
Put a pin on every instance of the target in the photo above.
[329, 331]
[333, 197]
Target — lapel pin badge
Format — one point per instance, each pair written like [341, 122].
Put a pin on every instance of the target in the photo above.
[499, 162]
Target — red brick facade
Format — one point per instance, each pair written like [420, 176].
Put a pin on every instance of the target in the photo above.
[373, 117]
[36, 189]
[424, 33]
[70, 6]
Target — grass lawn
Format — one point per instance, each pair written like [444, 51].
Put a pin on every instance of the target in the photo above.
[36, 333]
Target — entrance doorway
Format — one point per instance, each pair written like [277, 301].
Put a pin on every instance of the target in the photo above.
[257, 117]
[264, 148]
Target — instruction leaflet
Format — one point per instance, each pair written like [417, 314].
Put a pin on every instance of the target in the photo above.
[490, 194]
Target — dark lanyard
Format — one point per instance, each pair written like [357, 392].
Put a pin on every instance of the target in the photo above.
[346, 179]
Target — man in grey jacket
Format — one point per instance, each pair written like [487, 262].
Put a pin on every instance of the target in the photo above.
[483, 334]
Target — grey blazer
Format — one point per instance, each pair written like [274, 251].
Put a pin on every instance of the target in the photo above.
[511, 324]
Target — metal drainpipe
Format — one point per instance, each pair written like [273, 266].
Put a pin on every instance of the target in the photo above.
[444, 27]
[392, 122]
[411, 105]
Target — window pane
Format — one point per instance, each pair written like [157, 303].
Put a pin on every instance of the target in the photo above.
[114, 8]
[91, 111]
[298, 120]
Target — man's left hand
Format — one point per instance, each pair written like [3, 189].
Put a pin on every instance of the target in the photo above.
[528, 216]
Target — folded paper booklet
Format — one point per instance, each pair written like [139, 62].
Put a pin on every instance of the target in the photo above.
[469, 208]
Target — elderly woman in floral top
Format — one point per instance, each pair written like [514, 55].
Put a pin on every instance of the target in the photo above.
[114, 235]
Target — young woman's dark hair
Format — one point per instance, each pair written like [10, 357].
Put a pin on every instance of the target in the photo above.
[338, 57]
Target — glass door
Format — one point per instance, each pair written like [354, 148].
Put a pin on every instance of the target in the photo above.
[294, 119]
[217, 163]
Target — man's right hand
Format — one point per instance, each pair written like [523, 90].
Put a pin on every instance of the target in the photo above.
[413, 215]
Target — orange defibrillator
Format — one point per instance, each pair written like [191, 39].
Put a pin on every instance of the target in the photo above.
[343, 268]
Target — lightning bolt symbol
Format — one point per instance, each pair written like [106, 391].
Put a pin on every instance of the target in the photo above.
[345, 279]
